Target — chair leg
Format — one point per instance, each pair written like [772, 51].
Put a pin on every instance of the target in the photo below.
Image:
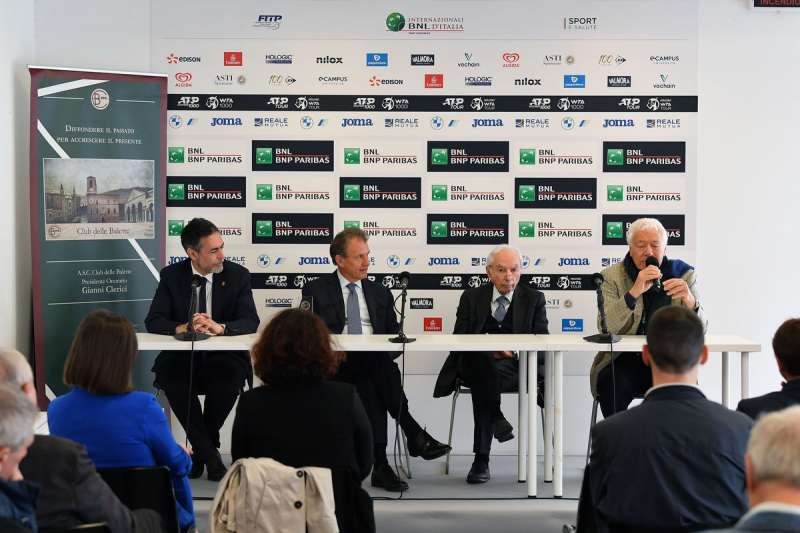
[450, 433]
[408, 459]
[592, 422]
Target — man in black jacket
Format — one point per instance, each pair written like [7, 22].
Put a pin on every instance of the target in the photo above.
[502, 306]
[71, 492]
[786, 345]
[676, 460]
[225, 307]
[348, 302]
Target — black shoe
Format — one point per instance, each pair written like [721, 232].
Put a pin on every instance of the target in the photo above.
[479, 473]
[197, 468]
[503, 430]
[425, 446]
[216, 468]
[384, 477]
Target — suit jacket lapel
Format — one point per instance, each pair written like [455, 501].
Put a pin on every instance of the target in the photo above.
[218, 293]
[520, 308]
[335, 290]
[369, 298]
[186, 284]
[483, 306]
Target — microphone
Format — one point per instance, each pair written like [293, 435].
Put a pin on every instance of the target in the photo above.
[402, 283]
[307, 304]
[598, 279]
[652, 261]
[190, 334]
[604, 337]
[403, 279]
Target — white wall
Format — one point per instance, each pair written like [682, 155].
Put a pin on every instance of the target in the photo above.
[747, 190]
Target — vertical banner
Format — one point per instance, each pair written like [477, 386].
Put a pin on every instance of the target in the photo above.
[97, 172]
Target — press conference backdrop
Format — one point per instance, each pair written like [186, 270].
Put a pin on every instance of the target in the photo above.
[440, 129]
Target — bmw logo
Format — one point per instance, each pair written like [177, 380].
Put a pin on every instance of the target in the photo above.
[306, 122]
[437, 122]
[263, 261]
[393, 261]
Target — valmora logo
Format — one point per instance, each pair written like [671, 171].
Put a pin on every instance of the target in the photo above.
[292, 156]
[467, 229]
[233, 59]
[292, 228]
[432, 323]
[197, 191]
[422, 60]
[468, 156]
[615, 228]
[548, 230]
[421, 303]
[380, 192]
[644, 156]
[434, 81]
[619, 81]
[559, 193]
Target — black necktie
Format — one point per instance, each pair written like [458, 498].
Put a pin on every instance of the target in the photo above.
[201, 305]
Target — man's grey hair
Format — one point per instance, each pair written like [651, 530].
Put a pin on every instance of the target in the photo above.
[647, 224]
[773, 447]
[14, 368]
[501, 248]
[17, 417]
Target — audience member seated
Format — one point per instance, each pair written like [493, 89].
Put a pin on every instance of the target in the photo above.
[677, 460]
[120, 427]
[17, 495]
[71, 492]
[786, 345]
[299, 418]
[773, 474]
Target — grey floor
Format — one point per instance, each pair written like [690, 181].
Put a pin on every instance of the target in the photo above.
[436, 502]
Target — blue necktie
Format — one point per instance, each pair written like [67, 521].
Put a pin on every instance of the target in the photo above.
[353, 311]
[502, 307]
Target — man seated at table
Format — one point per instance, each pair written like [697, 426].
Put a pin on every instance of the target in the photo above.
[633, 291]
[350, 303]
[786, 345]
[502, 306]
[225, 307]
[675, 461]
[773, 474]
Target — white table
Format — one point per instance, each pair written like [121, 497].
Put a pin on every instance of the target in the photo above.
[528, 346]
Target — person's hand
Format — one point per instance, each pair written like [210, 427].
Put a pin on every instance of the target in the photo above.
[645, 280]
[677, 288]
[204, 324]
[502, 355]
[186, 449]
[182, 328]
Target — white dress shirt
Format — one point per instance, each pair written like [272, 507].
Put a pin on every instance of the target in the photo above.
[366, 324]
[496, 294]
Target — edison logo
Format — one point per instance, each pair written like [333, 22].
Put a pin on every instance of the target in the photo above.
[527, 156]
[526, 193]
[264, 191]
[439, 193]
[352, 193]
[263, 156]
[263, 228]
[615, 157]
[175, 191]
[614, 193]
[175, 154]
[438, 229]
[526, 229]
[175, 227]
[614, 230]
[352, 156]
[439, 156]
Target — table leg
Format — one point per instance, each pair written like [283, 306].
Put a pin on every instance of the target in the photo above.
[558, 392]
[548, 417]
[532, 460]
[726, 379]
[745, 375]
[522, 442]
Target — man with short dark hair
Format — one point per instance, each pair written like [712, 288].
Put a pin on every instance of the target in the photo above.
[348, 302]
[225, 307]
[786, 345]
[675, 461]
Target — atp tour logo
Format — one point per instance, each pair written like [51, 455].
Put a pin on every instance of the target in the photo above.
[380, 192]
[292, 228]
[467, 229]
[615, 228]
[468, 156]
[644, 156]
[559, 193]
[292, 156]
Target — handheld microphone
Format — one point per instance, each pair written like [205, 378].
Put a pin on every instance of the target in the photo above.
[403, 279]
[598, 279]
[652, 261]
[190, 334]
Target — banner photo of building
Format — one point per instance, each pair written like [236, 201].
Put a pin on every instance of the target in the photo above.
[97, 209]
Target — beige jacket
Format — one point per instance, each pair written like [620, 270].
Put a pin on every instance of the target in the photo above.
[264, 496]
[622, 320]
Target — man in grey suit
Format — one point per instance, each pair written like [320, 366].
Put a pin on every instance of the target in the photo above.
[773, 474]
[502, 306]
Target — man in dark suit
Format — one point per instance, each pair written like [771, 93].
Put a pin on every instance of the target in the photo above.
[71, 492]
[502, 306]
[786, 345]
[773, 474]
[350, 303]
[225, 307]
[677, 460]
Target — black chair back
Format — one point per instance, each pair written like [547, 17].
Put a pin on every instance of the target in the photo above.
[98, 527]
[145, 488]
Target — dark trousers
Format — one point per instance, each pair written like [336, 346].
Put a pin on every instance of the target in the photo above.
[218, 375]
[631, 380]
[376, 378]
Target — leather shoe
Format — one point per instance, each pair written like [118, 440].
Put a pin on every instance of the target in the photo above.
[503, 430]
[425, 446]
[197, 468]
[479, 473]
[215, 466]
[384, 477]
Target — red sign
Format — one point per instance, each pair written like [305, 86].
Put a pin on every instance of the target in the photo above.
[233, 59]
[432, 323]
[434, 81]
